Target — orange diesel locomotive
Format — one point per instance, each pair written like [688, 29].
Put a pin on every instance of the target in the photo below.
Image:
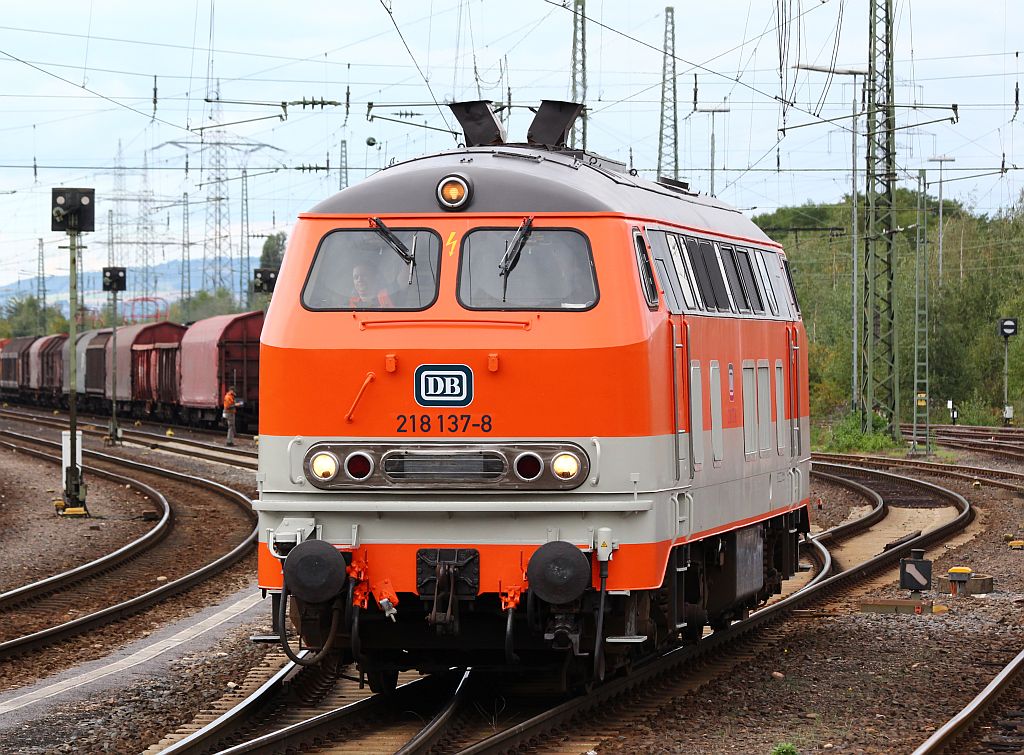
[520, 406]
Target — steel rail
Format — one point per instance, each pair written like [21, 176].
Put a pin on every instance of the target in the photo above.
[521, 734]
[206, 451]
[94, 419]
[145, 600]
[125, 553]
[292, 737]
[946, 470]
[962, 722]
[202, 738]
[433, 733]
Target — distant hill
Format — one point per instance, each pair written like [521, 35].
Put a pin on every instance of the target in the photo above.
[166, 278]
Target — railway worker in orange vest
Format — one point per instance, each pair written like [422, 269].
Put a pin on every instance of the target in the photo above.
[230, 408]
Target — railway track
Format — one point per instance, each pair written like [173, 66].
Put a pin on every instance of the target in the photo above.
[48, 611]
[241, 457]
[654, 682]
[994, 720]
[460, 724]
[1005, 442]
[986, 723]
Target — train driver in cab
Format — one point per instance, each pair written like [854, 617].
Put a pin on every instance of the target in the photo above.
[367, 288]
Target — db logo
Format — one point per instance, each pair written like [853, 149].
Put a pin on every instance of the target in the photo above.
[443, 385]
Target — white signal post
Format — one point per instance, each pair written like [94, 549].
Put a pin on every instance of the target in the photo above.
[1007, 328]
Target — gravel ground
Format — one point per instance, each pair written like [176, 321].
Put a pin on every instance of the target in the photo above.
[37, 543]
[833, 504]
[857, 682]
[136, 715]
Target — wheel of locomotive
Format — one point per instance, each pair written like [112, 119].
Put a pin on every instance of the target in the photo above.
[693, 631]
[382, 679]
[722, 621]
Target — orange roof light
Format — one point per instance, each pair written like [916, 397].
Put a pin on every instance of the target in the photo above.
[453, 192]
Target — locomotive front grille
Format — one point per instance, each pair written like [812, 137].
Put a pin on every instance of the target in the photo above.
[435, 466]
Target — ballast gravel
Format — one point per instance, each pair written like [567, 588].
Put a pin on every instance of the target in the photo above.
[37, 543]
[859, 682]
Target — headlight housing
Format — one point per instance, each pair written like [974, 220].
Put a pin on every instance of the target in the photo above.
[454, 192]
[565, 466]
[324, 466]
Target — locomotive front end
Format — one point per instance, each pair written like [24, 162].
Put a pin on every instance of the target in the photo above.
[483, 419]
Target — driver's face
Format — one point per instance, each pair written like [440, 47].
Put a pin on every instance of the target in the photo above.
[362, 280]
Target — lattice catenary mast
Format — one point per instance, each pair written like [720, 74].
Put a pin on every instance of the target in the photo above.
[879, 383]
[41, 288]
[579, 70]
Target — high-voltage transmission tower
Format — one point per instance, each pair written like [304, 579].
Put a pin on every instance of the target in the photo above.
[217, 245]
[243, 245]
[41, 289]
[185, 296]
[879, 383]
[119, 219]
[579, 70]
[668, 134]
[145, 234]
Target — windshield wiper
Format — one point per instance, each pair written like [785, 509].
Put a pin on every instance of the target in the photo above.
[510, 258]
[396, 244]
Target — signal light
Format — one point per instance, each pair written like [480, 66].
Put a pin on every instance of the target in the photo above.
[358, 465]
[264, 279]
[114, 279]
[453, 192]
[528, 466]
[73, 210]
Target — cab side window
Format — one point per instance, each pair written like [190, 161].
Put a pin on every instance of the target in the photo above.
[647, 281]
[666, 271]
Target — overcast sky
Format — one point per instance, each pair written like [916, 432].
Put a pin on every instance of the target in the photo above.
[77, 79]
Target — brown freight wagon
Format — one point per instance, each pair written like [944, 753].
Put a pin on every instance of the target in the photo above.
[217, 353]
[14, 365]
[146, 368]
[47, 361]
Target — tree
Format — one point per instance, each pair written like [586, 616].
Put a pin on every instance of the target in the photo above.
[273, 250]
[204, 304]
[22, 317]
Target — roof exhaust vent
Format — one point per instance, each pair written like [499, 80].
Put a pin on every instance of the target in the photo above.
[479, 124]
[550, 127]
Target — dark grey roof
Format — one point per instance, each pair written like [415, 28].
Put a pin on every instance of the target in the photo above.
[524, 179]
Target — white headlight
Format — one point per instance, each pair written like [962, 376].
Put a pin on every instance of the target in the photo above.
[565, 466]
[324, 466]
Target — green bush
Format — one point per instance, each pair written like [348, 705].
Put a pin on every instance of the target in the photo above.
[785, 748]
[975, 411]
[845, 436]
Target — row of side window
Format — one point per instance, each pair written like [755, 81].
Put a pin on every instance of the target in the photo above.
[759, 411]
[699, 275]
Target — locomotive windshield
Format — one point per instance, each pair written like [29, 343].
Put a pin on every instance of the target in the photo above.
[553, 270]
[360, 270]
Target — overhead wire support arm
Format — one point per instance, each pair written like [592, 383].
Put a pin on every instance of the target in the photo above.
[371, 118]
[305, 102]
